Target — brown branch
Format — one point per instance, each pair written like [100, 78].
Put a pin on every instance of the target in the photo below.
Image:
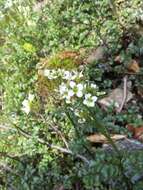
[62, 150]
[55, 128]
[13, 157]
[61, 135]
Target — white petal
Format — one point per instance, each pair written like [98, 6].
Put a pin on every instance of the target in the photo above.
[68, 101]
[79, 94]
[93, 86]
[72, 84]
[85, 102]
[80, 86]
[87, 96]
[26, 109]
[70, 93]
[62, 88]
[25, 103]
[53, 75]
[67, 75]
[90, 104]
[31, 97]
[94, 98]
[75, 75]
[46, 72]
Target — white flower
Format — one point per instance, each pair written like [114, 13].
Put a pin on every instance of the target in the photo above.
[53, 75]
[62, 88]
[93, 86]
[46, 72]
[70, 93]
[67, 75]
[89, 100]
[79, 91]
[74, 75]
[79, 94]
[8, 4]
[68, 96]
[31, 97]
[80, 86]
[66, 93]
[27, 104]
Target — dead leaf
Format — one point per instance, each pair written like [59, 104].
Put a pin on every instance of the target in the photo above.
[140, 91]
[136, 131]
[99, 138]
[118, 59]
[131, 128]
[96, 54]
[115, 97]
[134, 66]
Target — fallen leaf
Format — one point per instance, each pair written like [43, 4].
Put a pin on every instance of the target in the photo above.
[140, 91]
[134, 66]
[115, 97]
[130, 128]
[99, 138]
[118, 59]
[136, 131]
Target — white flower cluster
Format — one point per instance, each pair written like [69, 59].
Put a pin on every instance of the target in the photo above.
[70, 87]
[64, 74]
[27, 104]
[73, 89]
[8, 3]
[67, 91]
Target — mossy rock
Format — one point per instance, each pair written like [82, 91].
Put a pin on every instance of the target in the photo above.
[68, 60]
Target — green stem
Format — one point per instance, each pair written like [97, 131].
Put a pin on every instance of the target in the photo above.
[78, 133]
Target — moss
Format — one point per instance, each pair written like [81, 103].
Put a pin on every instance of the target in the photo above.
[68, 60]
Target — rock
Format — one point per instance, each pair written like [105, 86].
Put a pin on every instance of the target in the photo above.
[115, 97]
[96, 54]
[125, 144]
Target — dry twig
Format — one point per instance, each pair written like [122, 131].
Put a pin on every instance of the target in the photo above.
[124, 95]
[62, 150]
